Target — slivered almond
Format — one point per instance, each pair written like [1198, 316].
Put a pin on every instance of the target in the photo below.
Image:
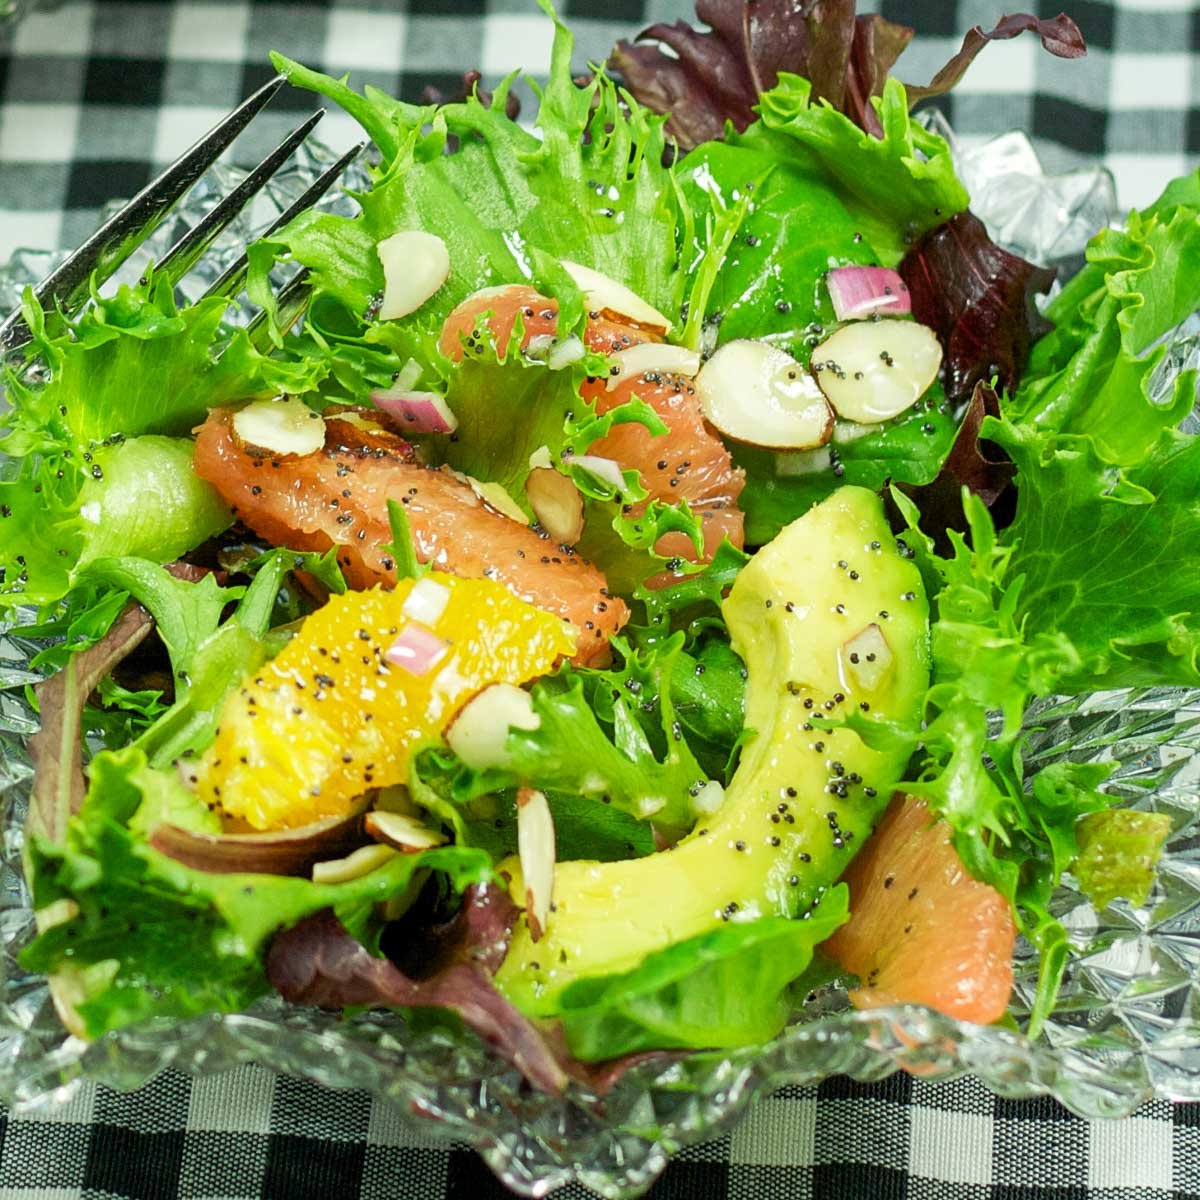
[535, 846]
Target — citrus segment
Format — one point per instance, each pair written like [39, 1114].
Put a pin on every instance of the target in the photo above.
[337, 713]
[921, 929]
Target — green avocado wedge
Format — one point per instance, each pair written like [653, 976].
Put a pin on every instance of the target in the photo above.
[829, 618]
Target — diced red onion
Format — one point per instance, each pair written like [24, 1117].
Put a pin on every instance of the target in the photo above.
[426, 602]
[418, 650]
[418, 412]
[861, 291]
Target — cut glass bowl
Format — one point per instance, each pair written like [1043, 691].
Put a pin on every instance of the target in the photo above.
[1127, 1027]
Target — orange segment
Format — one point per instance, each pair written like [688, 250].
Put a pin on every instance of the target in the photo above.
[330, 718]
[922, 930]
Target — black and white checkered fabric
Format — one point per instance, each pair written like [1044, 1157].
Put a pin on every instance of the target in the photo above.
[250, 1134]
[95, 96]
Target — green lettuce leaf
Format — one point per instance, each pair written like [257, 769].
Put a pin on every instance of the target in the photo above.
[83, 481]
[480, 808]
[897, 186]
[910, 448]
[609, 737]
[727, 987]
[132, 908]
[1094, 375]
[589, 186]
[1106, 534]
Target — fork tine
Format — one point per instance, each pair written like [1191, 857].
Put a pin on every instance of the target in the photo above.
[179, 259]
[116, 239]
[231, 279]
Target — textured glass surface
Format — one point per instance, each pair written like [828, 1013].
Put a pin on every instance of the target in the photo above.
[1126, 1029]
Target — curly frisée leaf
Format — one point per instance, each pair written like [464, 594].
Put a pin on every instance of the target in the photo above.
[906, 173]
[727, 987]
[88, 482]
[136, 907]
[590, 186]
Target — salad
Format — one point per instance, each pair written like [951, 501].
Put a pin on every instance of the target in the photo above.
[610, 613]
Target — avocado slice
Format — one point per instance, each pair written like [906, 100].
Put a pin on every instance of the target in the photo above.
[828, 617]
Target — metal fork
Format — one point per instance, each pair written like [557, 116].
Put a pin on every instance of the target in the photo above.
[67, 287]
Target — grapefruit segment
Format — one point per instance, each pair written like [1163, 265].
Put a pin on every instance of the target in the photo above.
[921, 929]
[338, 497]
[689, 462]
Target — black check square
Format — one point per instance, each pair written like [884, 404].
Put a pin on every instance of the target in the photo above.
[1073, 125]
[92, 184]
[123, 81]
[934, 18]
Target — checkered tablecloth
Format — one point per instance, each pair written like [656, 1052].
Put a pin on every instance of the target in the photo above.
[94, 98]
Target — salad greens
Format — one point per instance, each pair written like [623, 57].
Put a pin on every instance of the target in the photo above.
[730, 231]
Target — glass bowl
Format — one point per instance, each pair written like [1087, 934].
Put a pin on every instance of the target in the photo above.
[1127, 1027]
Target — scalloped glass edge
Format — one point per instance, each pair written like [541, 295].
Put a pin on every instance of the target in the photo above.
[1127, 1027]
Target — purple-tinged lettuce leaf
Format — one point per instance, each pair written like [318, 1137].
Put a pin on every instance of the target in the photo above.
[59, 785]
[978, 298]
[972, 463]
[704, 78]
[1059, 35]
[317, 962]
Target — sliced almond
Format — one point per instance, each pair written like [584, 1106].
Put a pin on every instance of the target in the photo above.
[556, 503]
[866, 659]
[535, 846]
[415, 265]
[653, 358]
[604, 295]
[406, 834]
[480, 731]
[871, 371]
[284, 428]
[496, 496]
[362, 862]
[756, 393]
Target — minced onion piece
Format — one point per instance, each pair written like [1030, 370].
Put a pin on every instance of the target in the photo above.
[415, 265]
[605, 295]
[417, 412]
[866, 659]
[565, 352]
[540, 345]
[871, 371]
[708, 799]
[426, 602]
[540, 458]
[556, 503]
[858, 292]
[480, 730]
[535, 847]
[759, 394]
[653, 357]
[605, 469]
[284, 427]
[418, 650]
[406, 834]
